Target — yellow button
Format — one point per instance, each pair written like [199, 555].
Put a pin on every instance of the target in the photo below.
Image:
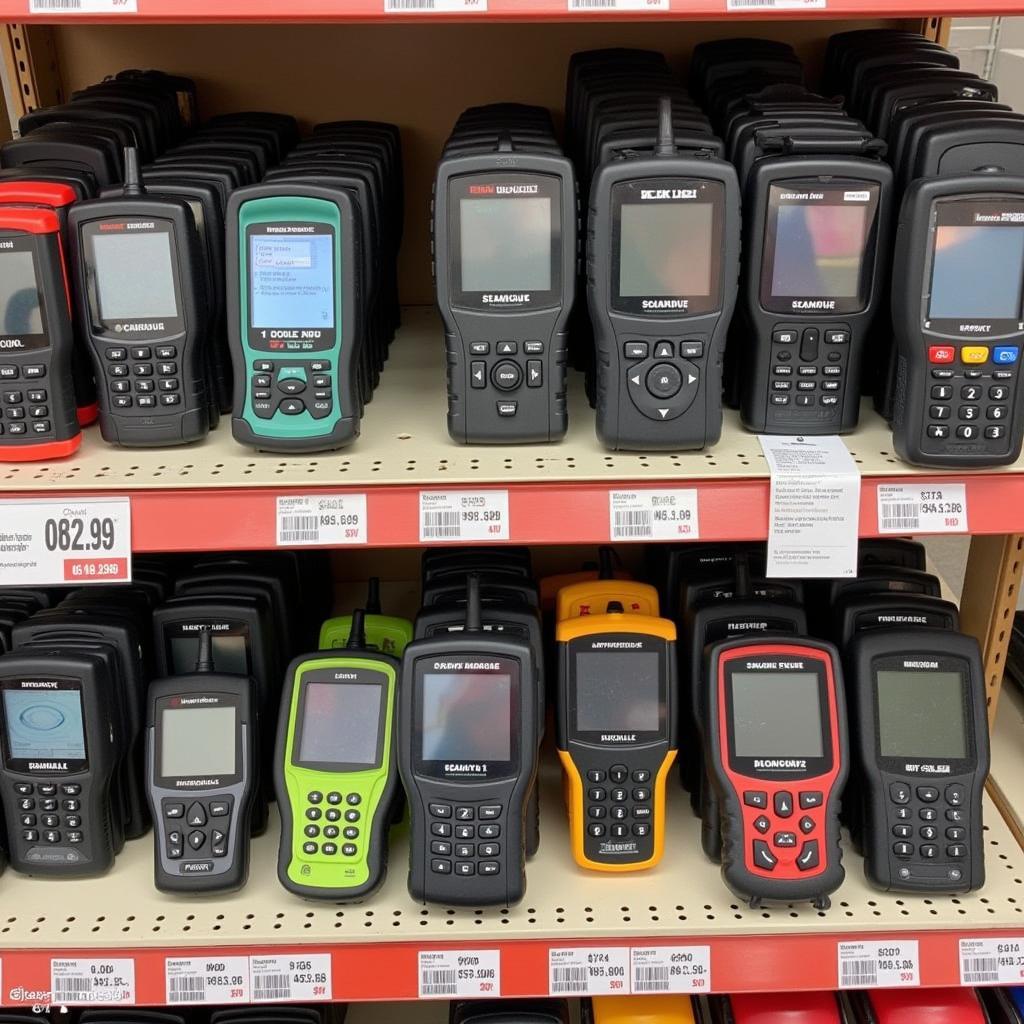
[974, 354]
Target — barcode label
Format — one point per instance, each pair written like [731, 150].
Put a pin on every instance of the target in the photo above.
[434, 6]
[670, 969]
[774, 5]
[922, 508]
[92, 981]
[300, 976]
[618, 5]
[83, 6]
[202, 980]
[653, 515]
[588, 971]
[325, 519]
[892, 964]
[464, 515]
[992, 961]
[462, 973]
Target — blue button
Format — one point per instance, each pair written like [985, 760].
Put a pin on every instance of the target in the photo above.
[1005, 354]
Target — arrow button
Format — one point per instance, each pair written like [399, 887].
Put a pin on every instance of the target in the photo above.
[478, 374]
[663, 412]
[784, 804]
[635, 379]
[534, 373]
[196, 815]
[763, 856]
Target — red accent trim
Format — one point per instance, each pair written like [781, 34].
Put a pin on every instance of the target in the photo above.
[786, 869]
[786, 1008]
[36, 193]
[88, 414]
[39, 452]
[33, 221]
[937, 1006]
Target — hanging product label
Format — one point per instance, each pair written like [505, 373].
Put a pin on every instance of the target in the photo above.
[815, 507]
[922, 508]
[50, 543]
[434, 6]
[879, 964]
[463, 515]
[207, 979]
[84, 982]
[328, 519]
[83, 7]
[588, 971]
[670, 969]
[653, 515]
[302, 976]
[459, 973]
[992, 961]
[640, 6]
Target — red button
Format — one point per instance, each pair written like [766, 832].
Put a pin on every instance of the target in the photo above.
[941, 354]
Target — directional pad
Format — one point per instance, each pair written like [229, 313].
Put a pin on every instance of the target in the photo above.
[662, 390]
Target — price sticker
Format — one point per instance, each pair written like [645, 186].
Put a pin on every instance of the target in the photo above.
[922, 508]
[207, 979]
[463, 515]
[92, 981]
[435, 6]
[879, 964]
[670, 969]
[653, 515]
[48, 543]
[464, 973]
[82, 7]
[327, 519]
[588, 971]
[992, 961]
[595, 6]
[306, 977]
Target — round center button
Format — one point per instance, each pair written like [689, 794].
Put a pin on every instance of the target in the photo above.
[506, 375]
[664, 380]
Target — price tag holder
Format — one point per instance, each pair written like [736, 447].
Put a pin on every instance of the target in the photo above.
[461, 973]
[50, 543]
[922, 508]
[82, 982]
[211, 979]
[653, 515]
[598, 6]
[670, 969]
[463, 515]
[83, 7]
[992, 961]
[879, 964]
[305, 977]
[328, 519]
[435, 6]
[588, 971]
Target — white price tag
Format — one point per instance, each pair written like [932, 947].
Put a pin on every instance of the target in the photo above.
[462, 973]
[49, 543]
[92, 981]
[775, 5]
[588, 971]
[83, 7]
[879, 964]
[463, 515]
[328, 519]
[434, 6]
[212, 979]
[302, 976]
[922, 508]
[653, 515]
[593, 6]
[670, 969]
[992, 961]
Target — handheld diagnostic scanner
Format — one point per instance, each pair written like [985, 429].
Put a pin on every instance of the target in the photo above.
[776, 750]
[60, 743]
[38, 413]
[918, 720]
[467, 747]
[335, 770]
[959, 321]
[662, 268]
[908, 1006]
[618, 706]
[857, 613]
[386, 633]
[140, 283]
[639, 1009]
[202, 768]
[592, 597]
[292, 255]
[816, 252]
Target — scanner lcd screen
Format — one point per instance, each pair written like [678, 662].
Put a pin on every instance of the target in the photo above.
[665, 249]
[776, 714]
[340, 724]
[134, 275]
[921, 714]
[292, 281]
[20, 312]
[197, 741]
[505, 244]
[976, 272]
[44, 725]
[467, 717]
[617, 691]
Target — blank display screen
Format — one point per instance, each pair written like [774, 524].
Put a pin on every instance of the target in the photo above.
[819, 250]
[976, 273]
[665, 249]
[134, 275]
[340, 723]
[921, 714]
[505, 244]
[197, 741]
[467, 717]
[776, 714]
[617, 691]
[19, 297]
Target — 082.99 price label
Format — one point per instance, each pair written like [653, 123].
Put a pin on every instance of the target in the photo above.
[588, 971]
[462, 973]
[92, 981]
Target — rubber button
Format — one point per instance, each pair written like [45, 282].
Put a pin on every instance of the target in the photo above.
[664, 380]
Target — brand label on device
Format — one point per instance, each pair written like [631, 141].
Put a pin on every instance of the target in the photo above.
[459, 973]
[302, 976]
[925, 508]
[48, 543]
[992, 961]
[92, 981]
[463, 515]
[83, 7]
[618, 5]
[879, 964]
[434, 6]
[670, 969]
[211, 979]
[331, 519]
[588, 971]
[653, 515]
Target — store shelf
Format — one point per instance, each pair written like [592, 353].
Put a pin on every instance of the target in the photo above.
[218, 495]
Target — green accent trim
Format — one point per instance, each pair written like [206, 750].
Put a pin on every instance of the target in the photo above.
[388, 633]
